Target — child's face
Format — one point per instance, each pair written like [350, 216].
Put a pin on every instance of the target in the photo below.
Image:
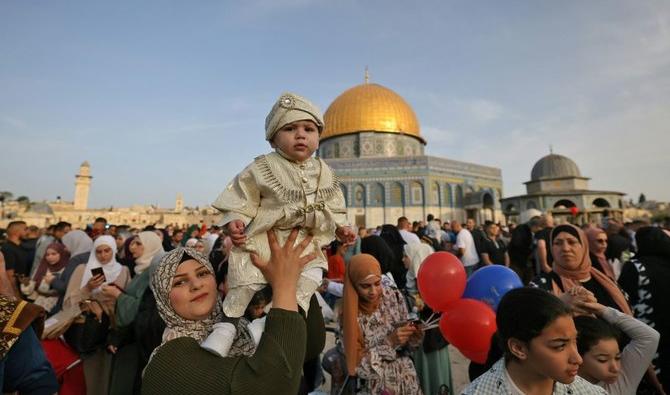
[554, 352]
[602, 362]
[256, 311]
[298, 140]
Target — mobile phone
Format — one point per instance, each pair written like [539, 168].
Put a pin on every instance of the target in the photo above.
[98, 271]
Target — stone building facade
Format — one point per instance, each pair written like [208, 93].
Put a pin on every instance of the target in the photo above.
[372, 141]
[557, 186]
[77, 213]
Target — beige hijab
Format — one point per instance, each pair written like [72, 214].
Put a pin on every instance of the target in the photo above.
[152, 246]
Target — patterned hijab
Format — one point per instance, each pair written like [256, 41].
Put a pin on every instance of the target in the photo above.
[161, 284]
[44, 266]
[570, 277]
[361, 267]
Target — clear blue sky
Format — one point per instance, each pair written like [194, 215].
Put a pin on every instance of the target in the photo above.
[167, 97]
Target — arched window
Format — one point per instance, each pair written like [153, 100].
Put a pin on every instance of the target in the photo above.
[448, 202]
[487, 200]
[601, 203]
[435, 194]
[344, 192]
[458, 196]
[359, 196]
[416, 193]
[377, 195]
[564, 203]
[397, 193]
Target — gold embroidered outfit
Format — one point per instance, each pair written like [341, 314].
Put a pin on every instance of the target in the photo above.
[276, 193]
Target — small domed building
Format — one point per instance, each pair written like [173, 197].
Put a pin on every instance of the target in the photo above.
[372, 140]
[557, 186]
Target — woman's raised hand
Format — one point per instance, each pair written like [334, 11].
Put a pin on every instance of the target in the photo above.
[284, 268]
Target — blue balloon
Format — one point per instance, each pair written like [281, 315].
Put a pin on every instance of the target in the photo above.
[490, 283]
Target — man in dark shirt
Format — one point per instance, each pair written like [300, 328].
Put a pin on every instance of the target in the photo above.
[16, 258]
[522, 248]
[543, 242]
[477, 235]
[29, 244]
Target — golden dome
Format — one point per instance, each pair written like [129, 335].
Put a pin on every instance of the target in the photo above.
[370, 108]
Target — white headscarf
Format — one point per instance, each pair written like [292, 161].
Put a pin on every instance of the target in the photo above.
[112, 269]
[190, 243]
[211, 240]
[417, 252]
[77, 242]
[152, 246]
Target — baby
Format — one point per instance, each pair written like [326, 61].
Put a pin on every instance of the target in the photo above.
[282, 190]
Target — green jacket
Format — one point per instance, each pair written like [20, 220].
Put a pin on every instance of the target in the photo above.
[128, 302]
[181, 366]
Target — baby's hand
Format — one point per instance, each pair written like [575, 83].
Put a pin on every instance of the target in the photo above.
[236, 232]
[346, 235]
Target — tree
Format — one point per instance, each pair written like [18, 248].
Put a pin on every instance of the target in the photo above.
[6, 195]
[641, 199]
[23, 199]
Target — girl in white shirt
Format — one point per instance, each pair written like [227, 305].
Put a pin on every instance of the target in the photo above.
[619, 372]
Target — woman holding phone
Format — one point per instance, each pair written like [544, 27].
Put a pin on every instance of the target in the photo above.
[379, 340]
[85, 288]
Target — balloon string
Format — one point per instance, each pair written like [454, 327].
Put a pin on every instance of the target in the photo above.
[430, 318]
[429, 327]
[431, 321]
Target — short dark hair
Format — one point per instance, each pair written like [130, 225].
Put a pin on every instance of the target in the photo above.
[15, 223]
[402, 220]
[101, 219]
[590, 330]
[62, 225]
[524, 312]
[430, 217]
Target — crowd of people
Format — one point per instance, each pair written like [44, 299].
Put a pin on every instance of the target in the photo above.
[105, 315]
[239, 309]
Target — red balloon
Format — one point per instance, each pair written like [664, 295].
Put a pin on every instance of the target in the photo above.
[441, 280]
[468, 324]
[574, 210]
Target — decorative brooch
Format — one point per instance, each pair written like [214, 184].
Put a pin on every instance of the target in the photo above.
[287, 101]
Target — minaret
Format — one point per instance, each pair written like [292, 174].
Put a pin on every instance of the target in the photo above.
[179, 203]
[82, 186]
